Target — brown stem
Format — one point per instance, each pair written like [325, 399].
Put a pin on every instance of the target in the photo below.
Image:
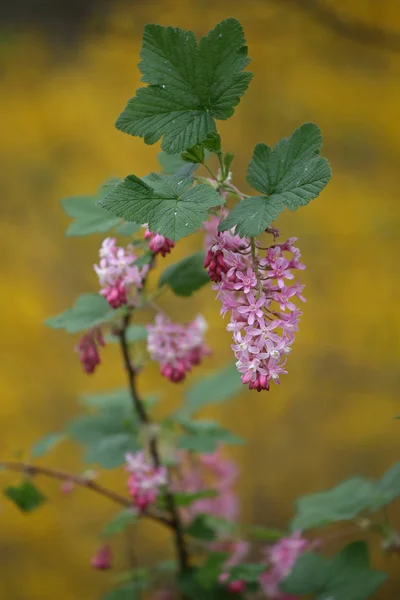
[80, 480]
[144, 418]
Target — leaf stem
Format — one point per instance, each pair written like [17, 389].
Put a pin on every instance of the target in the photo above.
[175, 521]
[80, 480]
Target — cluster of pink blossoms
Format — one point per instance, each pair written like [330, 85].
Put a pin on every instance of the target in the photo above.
[211, 472]
[158, 243]
[118, 275]
[145, 480]
[281, 558]
[102, 559]
[256, 291]
[177, 347]
[88, 350]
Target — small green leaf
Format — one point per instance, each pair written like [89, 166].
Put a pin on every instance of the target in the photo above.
[183, 499]
[46, 444]
[134, 334]
[252, 216]
[168, 204]
[308, 575]
[27, 497]
[88, 218]
[194, 155]
[293, 172]
[227, 162]
[200, 529]
[205, 436]
[249, 572]
[340, 503]
[210, 570]
[190, 84]
[186, 276]
[347, 576]
[171, 163]
[127, 229]
[213, 389]
[119, 523]
[119, 397]
[88, 311]
[387, 489]
[265, 533]
[107, 435]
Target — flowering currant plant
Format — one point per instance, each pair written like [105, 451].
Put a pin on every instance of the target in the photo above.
[176, 472]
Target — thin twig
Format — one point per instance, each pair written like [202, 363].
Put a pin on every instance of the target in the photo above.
[144, 418]
[80, 480]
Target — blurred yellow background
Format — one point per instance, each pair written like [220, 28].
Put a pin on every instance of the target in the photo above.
[333, 414]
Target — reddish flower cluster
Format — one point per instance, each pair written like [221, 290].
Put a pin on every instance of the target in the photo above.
[177, 347]
[145, 480]
[102, 559]
[88, 350]
[118, 275]
[253, 285]
[158, 243]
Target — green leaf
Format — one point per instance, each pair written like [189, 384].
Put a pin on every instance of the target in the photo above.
[127, 592]
[46, 444]
[119, 523]
[266, 534]
[26, 496]
[190, 85]
[119, 397]
[107, 435]
[227, 162]
[205, 436]
[308, 575]
[168, 204]
[171, 163]
[347, 576]
[88, 218]
[214, 389]
[340, 503]
[293, 172]
[183, 499]
[387, 489]
[134, 334]
[252, 216]
[200, 529]
[88, 311]
[127, 229]
[249, 572]
[209, 571]
[194, 155]
[186, 276]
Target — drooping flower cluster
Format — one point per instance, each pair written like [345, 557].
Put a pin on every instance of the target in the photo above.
[102, 559]
[211, 472]
[253, 284]
[119, 277]
[145, 480]
[158, 243]
[177, 347]
[281, 558]
[88, 350]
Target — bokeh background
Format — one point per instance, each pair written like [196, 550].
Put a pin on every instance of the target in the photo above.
[67, 69]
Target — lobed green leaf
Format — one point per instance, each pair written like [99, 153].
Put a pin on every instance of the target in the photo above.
[186, 276]
[26, 496]
[90, 310]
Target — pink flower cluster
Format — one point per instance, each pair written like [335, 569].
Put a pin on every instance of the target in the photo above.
[254, 287]
[88, 351]
[239, 550]
[118, 275]
[145, 480]
[102, 559]
[210, 472]
[177, 347]
[158, 243]
[281, 558]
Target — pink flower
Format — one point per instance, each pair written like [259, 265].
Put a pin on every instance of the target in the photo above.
[177, 347]
[245, 281]
[158, 243]
[282, 557]
[102, 559]
[87, 348]
[67, 487]
[215, 264]
[145, 480]
[118, 275]
[254, 290]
